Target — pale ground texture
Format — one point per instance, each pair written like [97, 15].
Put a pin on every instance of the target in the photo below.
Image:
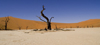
[81, 36]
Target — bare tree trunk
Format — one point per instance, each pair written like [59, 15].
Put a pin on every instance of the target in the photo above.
[19, 27]
[6, 22]
[5, 26]
[49, 25]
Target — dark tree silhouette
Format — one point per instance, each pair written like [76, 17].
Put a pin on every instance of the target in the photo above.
[45, 29]
[48, 21]
[19, 27]
[6, 22]
[87, 26]
[26, 27]
[70, 26]
[56, 26]
[77, 26]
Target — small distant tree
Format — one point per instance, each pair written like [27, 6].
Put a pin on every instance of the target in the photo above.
[70, 26]
[19, 27]
[26, 27]
[48, 21]
[87, 26]
[56, 26]
[6, 22]
[77, 26]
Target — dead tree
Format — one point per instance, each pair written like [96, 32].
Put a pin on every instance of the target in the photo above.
[87, 26]
[56, 27]
[6, 22]
[48, 21]
[70, 26]
[26, 27]
[77, 26]
[19, 27]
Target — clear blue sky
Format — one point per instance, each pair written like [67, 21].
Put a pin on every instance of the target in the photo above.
[63, 11]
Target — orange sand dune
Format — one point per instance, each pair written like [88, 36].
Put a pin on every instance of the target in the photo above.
[15, 23]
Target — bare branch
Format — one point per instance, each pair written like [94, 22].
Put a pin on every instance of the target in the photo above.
[51, 18]
[41, 19]
[7, 19]
[43, 14]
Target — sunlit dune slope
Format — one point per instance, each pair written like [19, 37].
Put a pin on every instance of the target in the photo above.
[15, 23]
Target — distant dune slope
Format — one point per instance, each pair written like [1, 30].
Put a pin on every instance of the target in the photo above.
[15, 23]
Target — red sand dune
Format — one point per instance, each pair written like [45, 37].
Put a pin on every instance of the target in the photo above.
[15, 23]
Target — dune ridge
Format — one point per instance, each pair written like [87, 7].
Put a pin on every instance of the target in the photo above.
[15, 23]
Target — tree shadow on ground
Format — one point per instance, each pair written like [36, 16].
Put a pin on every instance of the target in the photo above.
[42, 31]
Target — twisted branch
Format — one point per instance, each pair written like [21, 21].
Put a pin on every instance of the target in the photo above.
[44, 15]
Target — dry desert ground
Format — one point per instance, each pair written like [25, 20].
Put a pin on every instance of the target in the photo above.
[81, 36]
